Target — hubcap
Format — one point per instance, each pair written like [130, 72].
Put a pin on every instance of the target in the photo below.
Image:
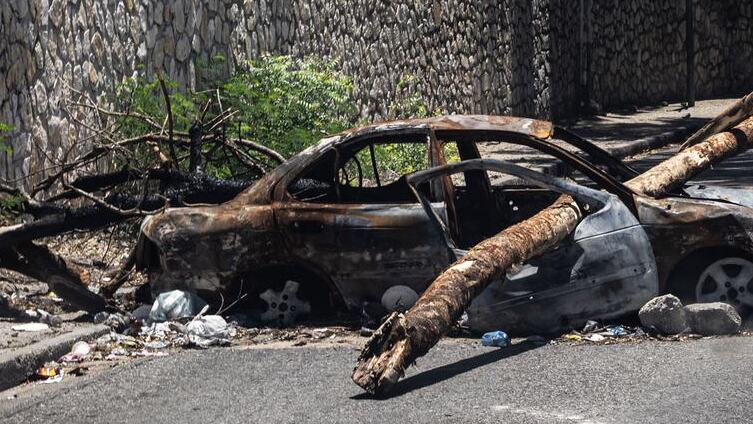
[727, 280]
[284, 306]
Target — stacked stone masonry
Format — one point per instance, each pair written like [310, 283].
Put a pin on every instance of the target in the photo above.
[521, 57]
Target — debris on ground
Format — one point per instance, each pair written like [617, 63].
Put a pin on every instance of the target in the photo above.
[710, 319]
[31, 327]
[209, 330]
[496, 339]
[665, 314]
[594, 332]
[176, 304]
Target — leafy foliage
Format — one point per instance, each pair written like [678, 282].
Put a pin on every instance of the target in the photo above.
[287, 104]
[282, 103]
[5, 147]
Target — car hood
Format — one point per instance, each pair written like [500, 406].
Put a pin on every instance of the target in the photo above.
[711, 192]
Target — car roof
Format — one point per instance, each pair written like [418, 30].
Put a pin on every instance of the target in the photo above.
[527, 126]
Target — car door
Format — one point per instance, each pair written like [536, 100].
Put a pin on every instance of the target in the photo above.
[368, 235]
[604, 269]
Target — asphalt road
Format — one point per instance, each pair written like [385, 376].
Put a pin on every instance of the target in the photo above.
[660, 382]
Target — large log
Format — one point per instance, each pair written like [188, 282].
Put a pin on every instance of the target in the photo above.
[675, 171]
[733, 115]
[403, 338]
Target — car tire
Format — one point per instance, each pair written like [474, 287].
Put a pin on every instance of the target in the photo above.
[723, 276]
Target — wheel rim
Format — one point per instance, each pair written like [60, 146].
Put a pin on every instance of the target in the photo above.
[727, 280]
[284, 307]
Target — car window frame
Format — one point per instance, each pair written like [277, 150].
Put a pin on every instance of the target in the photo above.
[599, 177]
[280, 191]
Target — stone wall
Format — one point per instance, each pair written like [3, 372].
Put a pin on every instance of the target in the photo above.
[638, 50]
[520, 57]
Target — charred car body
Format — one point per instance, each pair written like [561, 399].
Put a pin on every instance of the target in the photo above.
[332, 226]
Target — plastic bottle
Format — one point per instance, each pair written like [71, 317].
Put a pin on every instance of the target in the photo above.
[495, 338]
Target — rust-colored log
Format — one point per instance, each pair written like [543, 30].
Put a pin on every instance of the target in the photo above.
[675, 171]
[403, 338]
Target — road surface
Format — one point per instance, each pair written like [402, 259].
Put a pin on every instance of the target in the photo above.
[659, 382]
[707, 380]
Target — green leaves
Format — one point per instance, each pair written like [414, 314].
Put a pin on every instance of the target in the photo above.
[5, 147]
[289, 104]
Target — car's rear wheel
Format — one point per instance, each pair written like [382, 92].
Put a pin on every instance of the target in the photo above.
[715, 276]
[727, 280]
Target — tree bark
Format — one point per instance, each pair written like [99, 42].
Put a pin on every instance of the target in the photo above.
[403, 338]
[675, 171]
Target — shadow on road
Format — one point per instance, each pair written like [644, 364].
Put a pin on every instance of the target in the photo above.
[445, 372]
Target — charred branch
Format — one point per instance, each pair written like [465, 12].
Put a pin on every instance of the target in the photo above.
[65, 278]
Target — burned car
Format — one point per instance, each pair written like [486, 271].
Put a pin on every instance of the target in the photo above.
[333, 226]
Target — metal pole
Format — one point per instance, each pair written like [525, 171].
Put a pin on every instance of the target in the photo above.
[690, 51]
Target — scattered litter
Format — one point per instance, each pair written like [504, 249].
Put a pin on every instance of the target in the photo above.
[57, 379]
[594, 338]
[79, 352]
[31, 327]
[117, 353]
[616, 331]
[48, 372]
[590, 326]
[176, 304]
[116, 321]
[42, 316]
[495, 338]
[209, 330]
[320, 333]
[155, 345]
[573, 337]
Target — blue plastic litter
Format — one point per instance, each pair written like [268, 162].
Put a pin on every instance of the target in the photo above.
[617, 331]
[495, 338]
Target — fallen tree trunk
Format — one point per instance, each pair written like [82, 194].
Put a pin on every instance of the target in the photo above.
[675, 171]
[63, 277]
[733, 115]
[405, 337]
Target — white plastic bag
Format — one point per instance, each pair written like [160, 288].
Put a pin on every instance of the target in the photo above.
[176, 304]
[209, 330]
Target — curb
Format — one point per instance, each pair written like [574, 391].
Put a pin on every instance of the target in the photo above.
[17, 365]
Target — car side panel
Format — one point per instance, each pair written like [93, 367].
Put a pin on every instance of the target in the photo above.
[606, 270]
[365, 249]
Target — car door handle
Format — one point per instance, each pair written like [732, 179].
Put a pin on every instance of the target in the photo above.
[310, 227]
